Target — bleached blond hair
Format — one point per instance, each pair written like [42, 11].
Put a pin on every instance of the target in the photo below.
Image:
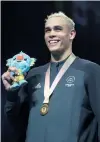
[69, 21]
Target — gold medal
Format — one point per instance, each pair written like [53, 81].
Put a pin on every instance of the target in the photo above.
[44, 109]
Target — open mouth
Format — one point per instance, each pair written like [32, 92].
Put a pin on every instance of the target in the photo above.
[53, 42]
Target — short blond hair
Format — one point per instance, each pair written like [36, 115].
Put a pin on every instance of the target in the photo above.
[69, 21]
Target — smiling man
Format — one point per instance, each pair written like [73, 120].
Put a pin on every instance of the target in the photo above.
[59, 34]
[63, 96]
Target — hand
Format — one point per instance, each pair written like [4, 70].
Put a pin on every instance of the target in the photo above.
[7, 78]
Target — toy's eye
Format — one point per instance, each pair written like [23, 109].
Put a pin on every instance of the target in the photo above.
[14, 59]
[25, 59]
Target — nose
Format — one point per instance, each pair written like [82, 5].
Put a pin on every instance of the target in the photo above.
[52, 34]
[19, 58]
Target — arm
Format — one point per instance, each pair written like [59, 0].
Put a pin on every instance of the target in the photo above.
[17, 106]
[16, 110]
[14, 101]
[93, 86]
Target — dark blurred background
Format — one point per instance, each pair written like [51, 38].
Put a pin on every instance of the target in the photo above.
[22, 29]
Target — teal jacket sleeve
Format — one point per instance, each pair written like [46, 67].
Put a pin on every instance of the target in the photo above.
[93, 87]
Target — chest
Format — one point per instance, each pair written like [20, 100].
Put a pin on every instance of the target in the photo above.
[70, 86]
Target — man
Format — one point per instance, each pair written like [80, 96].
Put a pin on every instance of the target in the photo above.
[63, 95]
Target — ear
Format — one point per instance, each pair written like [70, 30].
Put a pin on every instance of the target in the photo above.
[21, 52]
[72, 34]
[33, 60]
[8, 62]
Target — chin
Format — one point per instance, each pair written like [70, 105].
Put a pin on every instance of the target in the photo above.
[53, 48]
[55, 51]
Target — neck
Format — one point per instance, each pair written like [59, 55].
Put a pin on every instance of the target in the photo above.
[57, 57]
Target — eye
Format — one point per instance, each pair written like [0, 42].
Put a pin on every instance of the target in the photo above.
[14, 58]
[25, 59]
[47, 30]
[58, 28]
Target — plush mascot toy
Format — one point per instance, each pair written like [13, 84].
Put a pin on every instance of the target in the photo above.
[23, 63]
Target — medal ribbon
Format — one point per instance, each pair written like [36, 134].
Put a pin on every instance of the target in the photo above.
[47, 89]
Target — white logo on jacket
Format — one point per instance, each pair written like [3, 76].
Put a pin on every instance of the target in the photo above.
[70, 81]
[38, 86]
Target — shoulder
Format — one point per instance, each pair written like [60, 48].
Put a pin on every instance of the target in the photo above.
[88, 66]
[37, 70]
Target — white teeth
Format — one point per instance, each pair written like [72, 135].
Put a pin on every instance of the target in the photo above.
[53, 41]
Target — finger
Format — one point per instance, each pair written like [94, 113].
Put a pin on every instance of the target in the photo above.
[7, 77]
[11, 78]
[13, 69]
[6, 84]
[12, 74]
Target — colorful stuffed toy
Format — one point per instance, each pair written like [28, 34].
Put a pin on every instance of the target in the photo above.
[23, 63]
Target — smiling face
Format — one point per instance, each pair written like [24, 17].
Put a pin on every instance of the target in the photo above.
[58, 36]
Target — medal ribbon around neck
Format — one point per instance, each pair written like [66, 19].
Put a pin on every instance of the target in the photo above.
[47, 89]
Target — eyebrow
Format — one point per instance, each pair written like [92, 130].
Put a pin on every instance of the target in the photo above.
[58, 27]
[47, 28]
[55, 27]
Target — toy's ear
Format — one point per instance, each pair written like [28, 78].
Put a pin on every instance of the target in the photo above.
[21, 52]
[8, 62]
[33, 60]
